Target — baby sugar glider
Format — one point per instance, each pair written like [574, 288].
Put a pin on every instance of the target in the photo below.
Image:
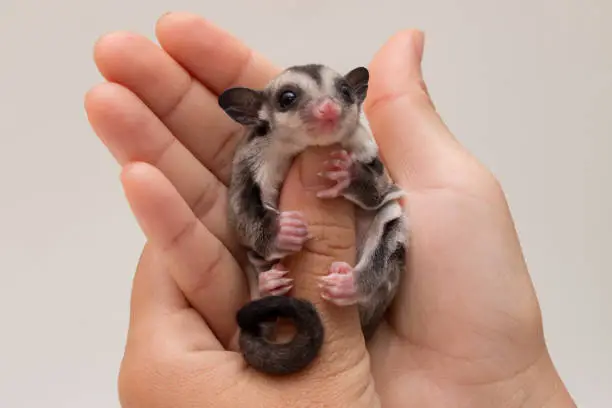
[309, 105]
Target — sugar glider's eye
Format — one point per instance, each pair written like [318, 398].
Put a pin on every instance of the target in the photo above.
[286, 99]
[345, 90]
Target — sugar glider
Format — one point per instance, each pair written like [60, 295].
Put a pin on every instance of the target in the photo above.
[309, 105]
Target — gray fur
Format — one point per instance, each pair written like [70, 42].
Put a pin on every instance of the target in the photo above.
[381, 253]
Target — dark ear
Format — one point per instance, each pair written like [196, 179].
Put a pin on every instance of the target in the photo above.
[358, 80]
[242, 105]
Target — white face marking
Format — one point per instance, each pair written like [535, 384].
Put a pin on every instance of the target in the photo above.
[291, 128]
[327, 81]
[303, 81]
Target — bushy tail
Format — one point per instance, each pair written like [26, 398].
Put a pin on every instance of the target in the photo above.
[285, 358]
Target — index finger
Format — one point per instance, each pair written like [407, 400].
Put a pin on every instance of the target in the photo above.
[331, 223]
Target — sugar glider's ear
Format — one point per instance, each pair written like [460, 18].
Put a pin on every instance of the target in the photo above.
[242, 105]
[358, 79]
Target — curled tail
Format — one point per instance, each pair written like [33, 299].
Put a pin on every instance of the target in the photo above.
[284, 358]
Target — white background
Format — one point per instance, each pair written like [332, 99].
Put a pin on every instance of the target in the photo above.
[526, 85]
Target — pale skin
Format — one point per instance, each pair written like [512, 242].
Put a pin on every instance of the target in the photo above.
[465, 329]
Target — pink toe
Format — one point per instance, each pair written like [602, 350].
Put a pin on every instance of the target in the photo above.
[340, 267]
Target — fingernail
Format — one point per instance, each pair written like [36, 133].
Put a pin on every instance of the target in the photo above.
[419, 44]
[415, 42]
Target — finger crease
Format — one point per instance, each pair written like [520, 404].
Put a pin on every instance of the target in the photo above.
[174, 106]
[162, 152]
[207, 277]
[387, 98]
[182, 234]
[340, 247]
[332, 226]
[224, 155]
[207, 199]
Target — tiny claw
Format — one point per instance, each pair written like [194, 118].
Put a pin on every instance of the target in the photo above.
[272, 282]
[325, 279]
[339, 286]
[337, 170]
[274, 274]
[338, 301]
[341, 152]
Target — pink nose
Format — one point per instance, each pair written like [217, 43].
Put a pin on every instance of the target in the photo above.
[327, 110]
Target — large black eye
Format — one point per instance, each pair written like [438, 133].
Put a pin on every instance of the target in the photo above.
[345, 90]
[286, 99]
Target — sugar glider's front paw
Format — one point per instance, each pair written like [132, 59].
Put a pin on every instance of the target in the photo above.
[339, 286]
[292, 232]
[274, 282]
[338, 170]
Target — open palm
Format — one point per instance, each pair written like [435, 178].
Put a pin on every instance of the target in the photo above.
[465, 329]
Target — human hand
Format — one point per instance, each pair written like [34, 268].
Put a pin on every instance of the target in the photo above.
[195, 359]
[465, 329]
[188, 285]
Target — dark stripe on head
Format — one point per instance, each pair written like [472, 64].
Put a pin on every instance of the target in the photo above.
[312, 70]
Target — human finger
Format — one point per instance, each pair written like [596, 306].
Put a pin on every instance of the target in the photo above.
[203, 269]
[133, 133]
[412, 137]
[331, 225]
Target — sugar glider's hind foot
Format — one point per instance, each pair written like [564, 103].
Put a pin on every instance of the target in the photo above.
[279, 358]
[339, 286]
[274, 282]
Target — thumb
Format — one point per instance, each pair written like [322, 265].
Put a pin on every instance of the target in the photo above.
[331, 225]
[402, 117]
